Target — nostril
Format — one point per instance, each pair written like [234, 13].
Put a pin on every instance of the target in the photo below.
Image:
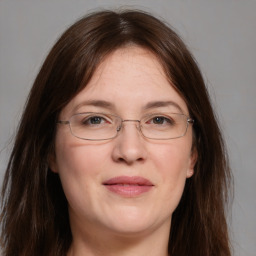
[121, 159]
[129, 161]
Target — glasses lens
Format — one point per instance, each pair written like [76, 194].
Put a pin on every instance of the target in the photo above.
[99, 126]
[164, 126]
[94, 126]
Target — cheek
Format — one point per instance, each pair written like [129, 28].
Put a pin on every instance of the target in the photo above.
[172, 164]
[80, 168]
[79, 165]
[80, 158]
[171, 158]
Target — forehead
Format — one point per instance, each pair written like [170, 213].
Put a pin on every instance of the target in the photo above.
[131, 63]
[128, 78]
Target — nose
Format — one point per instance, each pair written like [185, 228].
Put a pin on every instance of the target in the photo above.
[129, 145]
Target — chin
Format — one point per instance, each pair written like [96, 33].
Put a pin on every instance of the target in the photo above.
[132, 222]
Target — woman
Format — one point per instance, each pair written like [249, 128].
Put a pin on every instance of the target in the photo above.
[118, 151]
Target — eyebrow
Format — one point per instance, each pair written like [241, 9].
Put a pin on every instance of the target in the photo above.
[159, 104]
[96, 103]
[110, 105]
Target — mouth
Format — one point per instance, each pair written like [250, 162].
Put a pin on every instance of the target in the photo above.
[128, 186]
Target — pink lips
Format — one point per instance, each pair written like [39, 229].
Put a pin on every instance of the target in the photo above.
[128, 186]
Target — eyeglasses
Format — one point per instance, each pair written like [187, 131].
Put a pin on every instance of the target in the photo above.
[103, 126]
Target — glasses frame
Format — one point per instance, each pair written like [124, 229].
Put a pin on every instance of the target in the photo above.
[119, 128]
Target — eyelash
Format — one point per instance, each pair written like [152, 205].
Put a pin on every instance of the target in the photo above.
[88, 120]
[164, 120]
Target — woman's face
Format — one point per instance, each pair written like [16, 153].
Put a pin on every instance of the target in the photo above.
[129, 184]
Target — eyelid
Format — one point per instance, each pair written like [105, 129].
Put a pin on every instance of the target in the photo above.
[149, 115]
[164, 114]
[92, 113]
[88, 115]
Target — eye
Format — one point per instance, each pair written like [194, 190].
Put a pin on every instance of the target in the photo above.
[95, 121]
[160, 120]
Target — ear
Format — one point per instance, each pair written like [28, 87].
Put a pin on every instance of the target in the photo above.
[52, 162]
[192, 162]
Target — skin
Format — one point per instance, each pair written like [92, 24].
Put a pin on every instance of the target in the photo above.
[103, 222]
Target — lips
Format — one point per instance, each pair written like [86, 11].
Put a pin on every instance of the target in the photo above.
[128, 186]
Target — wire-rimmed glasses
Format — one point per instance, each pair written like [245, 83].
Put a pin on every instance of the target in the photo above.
[103, 126]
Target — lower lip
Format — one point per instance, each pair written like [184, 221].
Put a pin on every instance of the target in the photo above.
[128, 190]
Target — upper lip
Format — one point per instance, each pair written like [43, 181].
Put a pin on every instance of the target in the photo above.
[130, 180]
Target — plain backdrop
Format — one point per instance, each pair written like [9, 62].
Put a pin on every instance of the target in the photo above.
[220, 34]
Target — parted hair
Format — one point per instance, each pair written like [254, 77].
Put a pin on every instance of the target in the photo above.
[34, 213]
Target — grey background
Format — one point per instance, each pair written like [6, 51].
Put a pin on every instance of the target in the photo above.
[222, 37]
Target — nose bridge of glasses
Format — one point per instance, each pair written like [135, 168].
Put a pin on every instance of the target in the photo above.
[127, 121]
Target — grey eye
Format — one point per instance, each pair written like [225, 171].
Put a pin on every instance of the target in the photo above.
[160, 120]
[95, 120]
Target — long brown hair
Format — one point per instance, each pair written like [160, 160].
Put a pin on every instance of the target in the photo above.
[34, 214]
